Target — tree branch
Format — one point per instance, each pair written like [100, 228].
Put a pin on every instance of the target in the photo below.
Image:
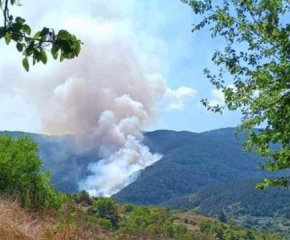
[5, 14]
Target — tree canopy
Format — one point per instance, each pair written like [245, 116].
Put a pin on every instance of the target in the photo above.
[62, 44]
[21, 176]
[255, 58]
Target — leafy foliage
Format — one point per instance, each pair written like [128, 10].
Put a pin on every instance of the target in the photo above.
[256, 58]
[106, 208]
[63, 45]
[60, 158]
[20, 174]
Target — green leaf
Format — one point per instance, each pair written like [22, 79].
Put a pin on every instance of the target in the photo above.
[77, 47]
[16, 26]
[63, 35]
[36, 55]
[20, 20]
[16, 38]
[25, 64]
[26, 29]
[29, 50]
[8, 38]
[44, 32]
[54, 52]
[65, 46]
[19, 47]
[36, 35]
[12, 2]
[43, 56]
[61, 57]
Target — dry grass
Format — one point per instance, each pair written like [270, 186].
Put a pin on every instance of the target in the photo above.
[17, 223]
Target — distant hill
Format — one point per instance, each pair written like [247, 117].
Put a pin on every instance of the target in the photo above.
[190, 162]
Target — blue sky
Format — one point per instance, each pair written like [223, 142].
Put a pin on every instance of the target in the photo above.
[189, 54]
[161, 31]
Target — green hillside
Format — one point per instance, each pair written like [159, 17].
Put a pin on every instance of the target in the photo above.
[190, 162]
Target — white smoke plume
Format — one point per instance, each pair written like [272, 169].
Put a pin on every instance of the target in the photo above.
[118, 134]
[108, 94]
[121, 146]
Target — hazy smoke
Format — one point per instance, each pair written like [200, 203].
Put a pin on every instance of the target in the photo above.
[107, 95]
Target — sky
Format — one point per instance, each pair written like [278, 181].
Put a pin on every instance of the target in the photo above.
[156, 37]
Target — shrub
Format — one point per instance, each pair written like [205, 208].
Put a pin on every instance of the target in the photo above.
[106, 208]
[128, 207]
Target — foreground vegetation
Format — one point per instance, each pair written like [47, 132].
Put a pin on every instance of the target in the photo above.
[105, 219]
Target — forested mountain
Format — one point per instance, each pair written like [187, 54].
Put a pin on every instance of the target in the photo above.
[190, 162]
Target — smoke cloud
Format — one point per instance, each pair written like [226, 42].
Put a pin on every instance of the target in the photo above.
[119, 137]
[108, 95]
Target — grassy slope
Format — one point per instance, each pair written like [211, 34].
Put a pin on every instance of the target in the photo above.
[21, 224]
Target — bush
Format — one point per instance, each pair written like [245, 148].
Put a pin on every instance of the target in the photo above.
[106, 208]
[83, 197]
[105, 223]
[128, 207]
